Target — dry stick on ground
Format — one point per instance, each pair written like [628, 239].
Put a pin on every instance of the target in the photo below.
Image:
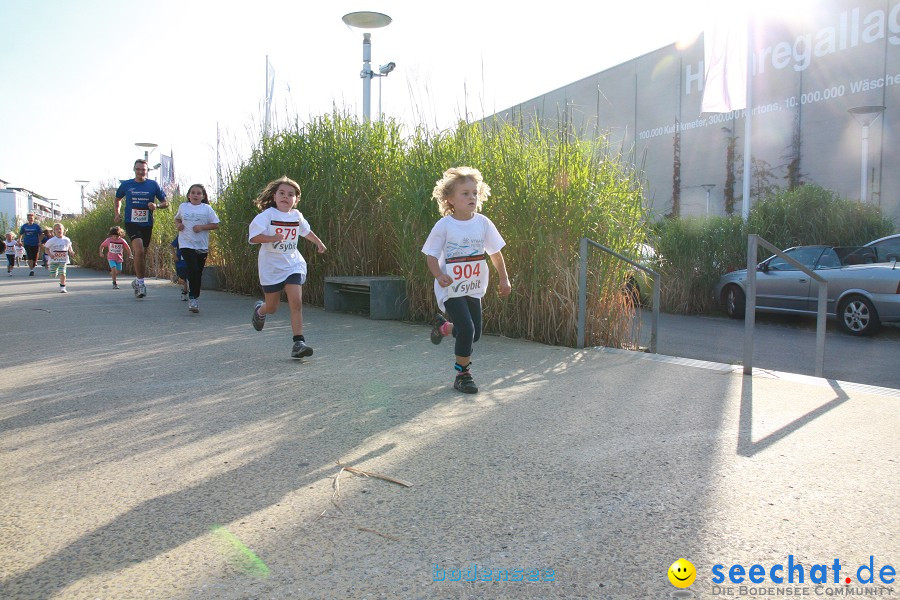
[371, 474]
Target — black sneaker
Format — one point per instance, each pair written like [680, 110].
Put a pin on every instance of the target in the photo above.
[465, 384]
[301, 350]
[436, 323]
[258, 321]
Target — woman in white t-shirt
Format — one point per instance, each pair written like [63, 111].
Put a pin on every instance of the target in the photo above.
[277, 230]
[455, 253]
[194, 220]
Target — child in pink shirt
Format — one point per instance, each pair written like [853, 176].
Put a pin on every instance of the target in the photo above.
[115, 245]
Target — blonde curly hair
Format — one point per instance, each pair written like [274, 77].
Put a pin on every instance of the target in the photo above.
[443, 187]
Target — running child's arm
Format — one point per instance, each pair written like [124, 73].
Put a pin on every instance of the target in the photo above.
[312, 237]
[266, 239]
[500, 265]
[442, 278]
[128, 248]
[102, 246]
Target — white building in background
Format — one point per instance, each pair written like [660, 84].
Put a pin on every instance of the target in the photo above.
[16, 203]
[809, 74]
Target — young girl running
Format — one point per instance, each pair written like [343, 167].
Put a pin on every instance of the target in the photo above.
[59, 247]
[194, 220]
[455, 254]
[115, 246]
[277, 229]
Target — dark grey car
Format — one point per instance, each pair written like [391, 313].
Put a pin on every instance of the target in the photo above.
[862, 294]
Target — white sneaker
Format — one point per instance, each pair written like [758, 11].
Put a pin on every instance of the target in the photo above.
[62, 289]
[194, 305]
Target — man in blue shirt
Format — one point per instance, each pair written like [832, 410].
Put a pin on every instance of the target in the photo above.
[139, 194]
[30, 237]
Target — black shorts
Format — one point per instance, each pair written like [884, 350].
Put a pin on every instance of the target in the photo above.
[31, 252]
[293, 279]
[136, 231]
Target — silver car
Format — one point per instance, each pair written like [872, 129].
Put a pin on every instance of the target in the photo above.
[865, 294]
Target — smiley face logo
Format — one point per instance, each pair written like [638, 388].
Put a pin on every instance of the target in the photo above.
[682, 573]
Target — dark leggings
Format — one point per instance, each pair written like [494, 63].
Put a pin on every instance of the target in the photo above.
[195, 260]
[465, 314]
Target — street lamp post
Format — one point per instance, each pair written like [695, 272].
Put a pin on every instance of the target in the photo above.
[147, 147]
[82, 183]
[368, 20]
[865, 116]
[707, 187]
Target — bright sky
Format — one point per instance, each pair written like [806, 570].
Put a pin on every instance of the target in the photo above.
[82, 82]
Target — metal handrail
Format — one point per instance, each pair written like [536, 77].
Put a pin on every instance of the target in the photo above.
[753, 243]
[582, 291]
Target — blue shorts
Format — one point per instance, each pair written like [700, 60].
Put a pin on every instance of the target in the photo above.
[115, 264]
[293, 279]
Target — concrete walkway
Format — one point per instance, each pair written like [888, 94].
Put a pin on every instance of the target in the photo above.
[146, 452]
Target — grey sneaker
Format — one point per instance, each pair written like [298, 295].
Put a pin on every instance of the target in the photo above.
[141, 290]
[134, 284]
[436, 323]
[465, 384]
[115, 286]
[301, 350]
[194, 305]
[259, 321]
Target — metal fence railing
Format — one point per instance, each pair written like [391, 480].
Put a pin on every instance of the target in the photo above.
[582, 291]
[753, 243]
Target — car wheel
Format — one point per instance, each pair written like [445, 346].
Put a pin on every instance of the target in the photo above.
[734, 300]
[857, 316]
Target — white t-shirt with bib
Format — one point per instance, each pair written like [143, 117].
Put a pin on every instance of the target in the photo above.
[58, 249]
[278, 260]
[190, 215]
[460, 247]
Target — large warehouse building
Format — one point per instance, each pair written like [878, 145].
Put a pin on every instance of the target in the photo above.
[824, 87]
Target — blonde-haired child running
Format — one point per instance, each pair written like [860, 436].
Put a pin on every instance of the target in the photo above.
[455, 254]
[277, 230]
[115, 246]
[11, 244]
[59, 247]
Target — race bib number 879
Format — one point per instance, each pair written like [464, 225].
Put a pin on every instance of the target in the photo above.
[289, 243]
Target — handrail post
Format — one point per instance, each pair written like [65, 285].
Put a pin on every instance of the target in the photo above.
[750, 302]
[582, 292]
[820, 328]
[654, 323]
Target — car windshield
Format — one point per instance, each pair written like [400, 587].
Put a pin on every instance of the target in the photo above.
[805, 256]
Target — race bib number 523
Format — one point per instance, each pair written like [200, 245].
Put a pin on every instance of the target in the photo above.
[139, 215]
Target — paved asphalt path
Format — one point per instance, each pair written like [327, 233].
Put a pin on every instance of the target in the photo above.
[781, 343]
[146, 452]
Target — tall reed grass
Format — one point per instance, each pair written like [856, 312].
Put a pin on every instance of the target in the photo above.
[89, 230]
[367, 194]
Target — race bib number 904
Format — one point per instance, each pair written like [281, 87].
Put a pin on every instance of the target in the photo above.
[469, 278]
[139, 215]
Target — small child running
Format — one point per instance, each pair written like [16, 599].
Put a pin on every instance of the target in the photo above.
[455, 254]
[11, 245]
[59, 247]
[115, 246]
[277, 230]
